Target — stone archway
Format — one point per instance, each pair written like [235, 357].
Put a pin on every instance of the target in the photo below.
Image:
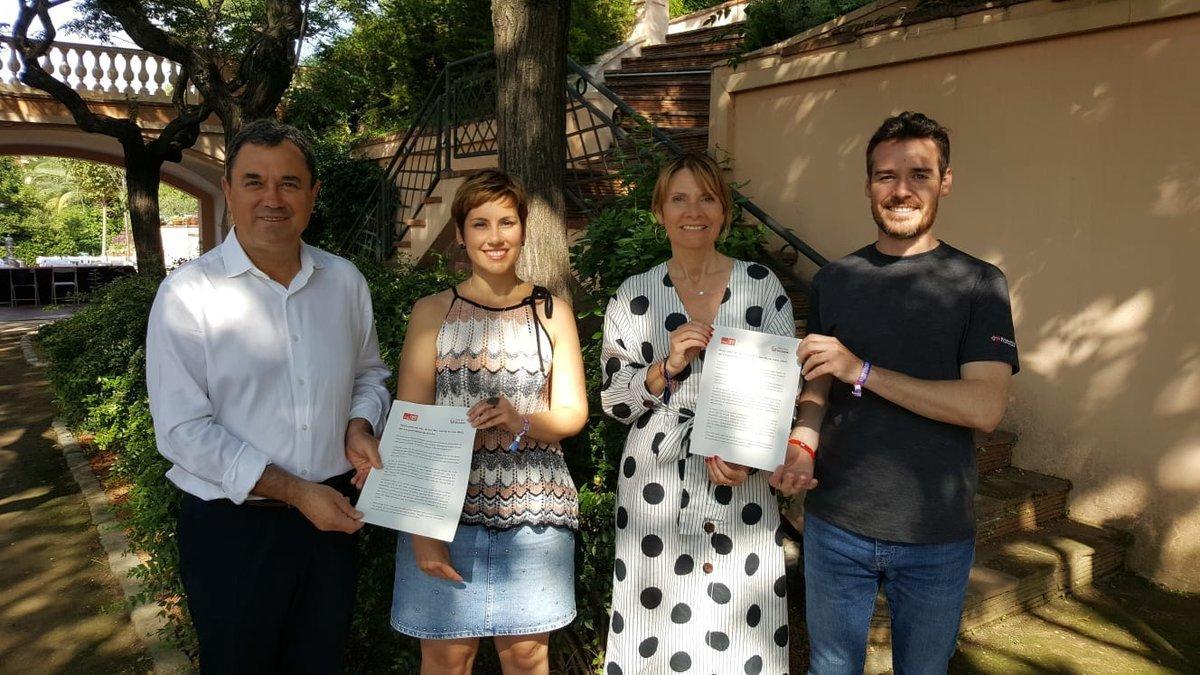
[197, 175]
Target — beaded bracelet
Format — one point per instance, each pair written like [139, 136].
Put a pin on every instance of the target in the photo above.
[670, 381]
[516, 442]
[862, 379]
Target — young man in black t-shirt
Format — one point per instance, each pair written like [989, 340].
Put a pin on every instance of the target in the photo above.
[911, 347]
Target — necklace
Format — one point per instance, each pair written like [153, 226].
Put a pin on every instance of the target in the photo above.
[696, 289]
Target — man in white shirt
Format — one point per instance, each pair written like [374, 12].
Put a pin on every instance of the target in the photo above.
[263, 369]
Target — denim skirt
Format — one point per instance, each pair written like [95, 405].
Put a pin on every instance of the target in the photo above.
[519, 581]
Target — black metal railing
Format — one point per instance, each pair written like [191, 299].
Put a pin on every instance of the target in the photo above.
[790, 239]
[457, 120]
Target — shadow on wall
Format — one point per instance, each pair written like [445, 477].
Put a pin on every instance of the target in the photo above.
[1085, 190]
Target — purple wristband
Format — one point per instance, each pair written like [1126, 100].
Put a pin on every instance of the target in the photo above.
[862, 379]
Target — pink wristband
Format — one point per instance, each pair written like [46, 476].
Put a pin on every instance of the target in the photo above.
[862, 379]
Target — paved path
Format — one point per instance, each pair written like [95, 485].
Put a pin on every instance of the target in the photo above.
[61, 610]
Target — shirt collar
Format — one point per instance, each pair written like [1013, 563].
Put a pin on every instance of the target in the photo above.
[237, 262]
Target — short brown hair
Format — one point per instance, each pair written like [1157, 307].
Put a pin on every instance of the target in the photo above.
[488, 185]
[707, 172]
[910, 125]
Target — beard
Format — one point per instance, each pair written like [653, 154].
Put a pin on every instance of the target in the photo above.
[909, 232]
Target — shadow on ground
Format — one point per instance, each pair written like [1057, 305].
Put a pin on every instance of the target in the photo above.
[1123, 624]
[60, 607]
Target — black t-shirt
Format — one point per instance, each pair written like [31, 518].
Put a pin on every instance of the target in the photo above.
[885, 472]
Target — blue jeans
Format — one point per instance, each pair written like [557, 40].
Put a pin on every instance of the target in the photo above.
[924, 585]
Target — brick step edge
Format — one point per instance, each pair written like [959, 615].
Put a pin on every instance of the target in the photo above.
[1023, 571]
[704, 34]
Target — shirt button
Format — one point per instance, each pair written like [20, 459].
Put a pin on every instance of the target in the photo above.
[708, 568]
[708, 527]
[304, 427]
[301, 381]
[303, 472]
[295, 338]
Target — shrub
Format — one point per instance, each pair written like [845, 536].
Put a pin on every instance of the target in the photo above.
[347, 183]
[772, 21]
[681, 7]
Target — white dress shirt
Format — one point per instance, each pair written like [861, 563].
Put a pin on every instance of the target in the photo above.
[243, 372]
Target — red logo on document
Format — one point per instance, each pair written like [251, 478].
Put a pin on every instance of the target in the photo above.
[728, 341]
[410, 417]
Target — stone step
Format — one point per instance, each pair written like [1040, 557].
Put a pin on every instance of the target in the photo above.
[657, 64]
[677, 119]
[702, 46]
[1019, 572]
[635, 91]
[615, 79]
[706, 34]
[994, 451]
[1013, 500]
[688, 138]
[655, 102]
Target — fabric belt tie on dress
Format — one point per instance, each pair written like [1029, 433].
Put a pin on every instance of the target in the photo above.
[673, 446]
[702, 512]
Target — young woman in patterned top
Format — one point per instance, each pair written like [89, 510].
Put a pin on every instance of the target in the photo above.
[510, 351]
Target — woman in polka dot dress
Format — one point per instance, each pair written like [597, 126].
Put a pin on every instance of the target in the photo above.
[699, 583]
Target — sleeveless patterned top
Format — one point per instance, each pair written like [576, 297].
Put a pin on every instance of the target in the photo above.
[487, 351]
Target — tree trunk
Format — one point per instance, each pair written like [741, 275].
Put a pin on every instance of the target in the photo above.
[104, 228]
[141, 188]
[531, 77]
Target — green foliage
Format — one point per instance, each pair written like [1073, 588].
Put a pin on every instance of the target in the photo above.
[228, 27]
[772, 21]
[174, 203]
[376, 75]
[597, 26]
[72, 230]
[347, 183]
[55, 206]
[681, 7]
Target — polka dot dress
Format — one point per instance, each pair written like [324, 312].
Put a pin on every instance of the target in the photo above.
[698, 580]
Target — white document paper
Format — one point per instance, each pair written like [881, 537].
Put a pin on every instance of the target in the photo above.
[426, 452]
[747, 397]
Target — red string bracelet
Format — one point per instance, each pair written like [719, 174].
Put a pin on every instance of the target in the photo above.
[803, 446]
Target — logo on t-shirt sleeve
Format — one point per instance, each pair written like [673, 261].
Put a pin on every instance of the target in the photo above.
[1003, 340]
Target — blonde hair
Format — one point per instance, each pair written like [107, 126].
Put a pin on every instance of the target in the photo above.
[707, 172]
[483, 187]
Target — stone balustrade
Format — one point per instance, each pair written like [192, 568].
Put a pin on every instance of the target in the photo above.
[100, 71]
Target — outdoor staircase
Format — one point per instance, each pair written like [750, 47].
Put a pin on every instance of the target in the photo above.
[1027, 550]
[669, 83]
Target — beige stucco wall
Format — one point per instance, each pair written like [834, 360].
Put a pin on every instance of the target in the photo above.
[1076, 153]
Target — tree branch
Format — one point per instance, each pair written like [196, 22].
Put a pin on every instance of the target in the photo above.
[269, 60]
[32, 74]
[136, 23]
